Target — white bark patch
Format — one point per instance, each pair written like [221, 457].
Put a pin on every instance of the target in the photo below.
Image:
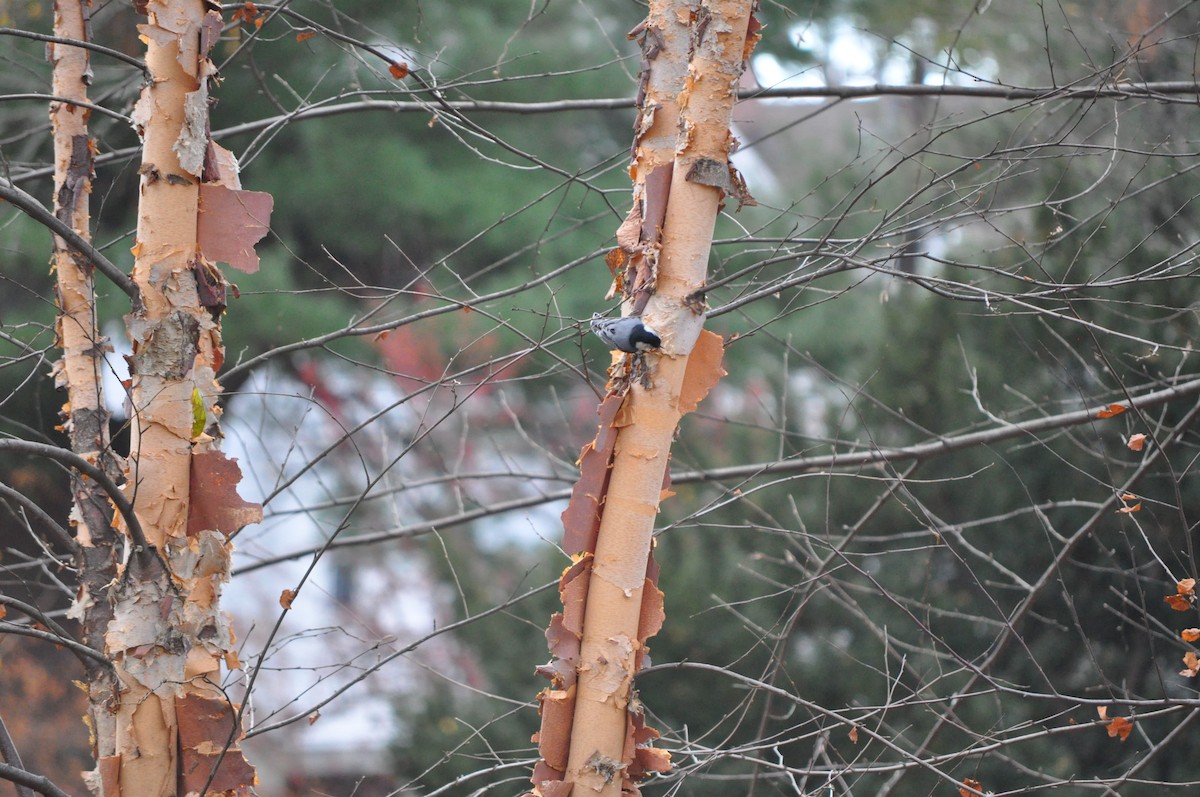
[158, 669]
[613, 668]
[142, 110]
[167, 349]
[646, 119]
[192, 141]
[598, 771]
[136, 619]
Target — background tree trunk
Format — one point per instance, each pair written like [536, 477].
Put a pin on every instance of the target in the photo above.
[85, 415]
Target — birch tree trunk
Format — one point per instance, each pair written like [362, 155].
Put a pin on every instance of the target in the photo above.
[85, 416]
[171, 730]
[693, 56]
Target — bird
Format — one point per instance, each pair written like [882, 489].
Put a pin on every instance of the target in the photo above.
[626, 334]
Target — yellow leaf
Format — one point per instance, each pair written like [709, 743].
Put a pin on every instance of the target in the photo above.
[199, 416]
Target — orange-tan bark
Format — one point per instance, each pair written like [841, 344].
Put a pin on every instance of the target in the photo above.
[704, 137]
[664, 253]
[168, 637]
[85, 417]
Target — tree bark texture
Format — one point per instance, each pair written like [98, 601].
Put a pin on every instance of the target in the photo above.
[693, 57]
[85, 415]
[172, 730]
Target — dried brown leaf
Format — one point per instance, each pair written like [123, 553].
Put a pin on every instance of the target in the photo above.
[1111, 410]
[247, 13]
[969, 784]
[1178, 602]
[1120, 727]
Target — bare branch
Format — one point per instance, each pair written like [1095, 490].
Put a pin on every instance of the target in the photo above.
[9, 752]
[40, 214]
[73, 460]
[93, 47]
[39, 783]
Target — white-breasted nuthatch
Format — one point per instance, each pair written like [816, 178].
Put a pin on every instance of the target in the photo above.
[627, 334]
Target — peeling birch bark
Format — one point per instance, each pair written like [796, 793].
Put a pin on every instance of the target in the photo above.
[664, 40]
[84, 415]
[175, 731]
[693, 56]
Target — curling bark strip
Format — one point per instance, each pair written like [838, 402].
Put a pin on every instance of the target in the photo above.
[661, 268]
[171, 730]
